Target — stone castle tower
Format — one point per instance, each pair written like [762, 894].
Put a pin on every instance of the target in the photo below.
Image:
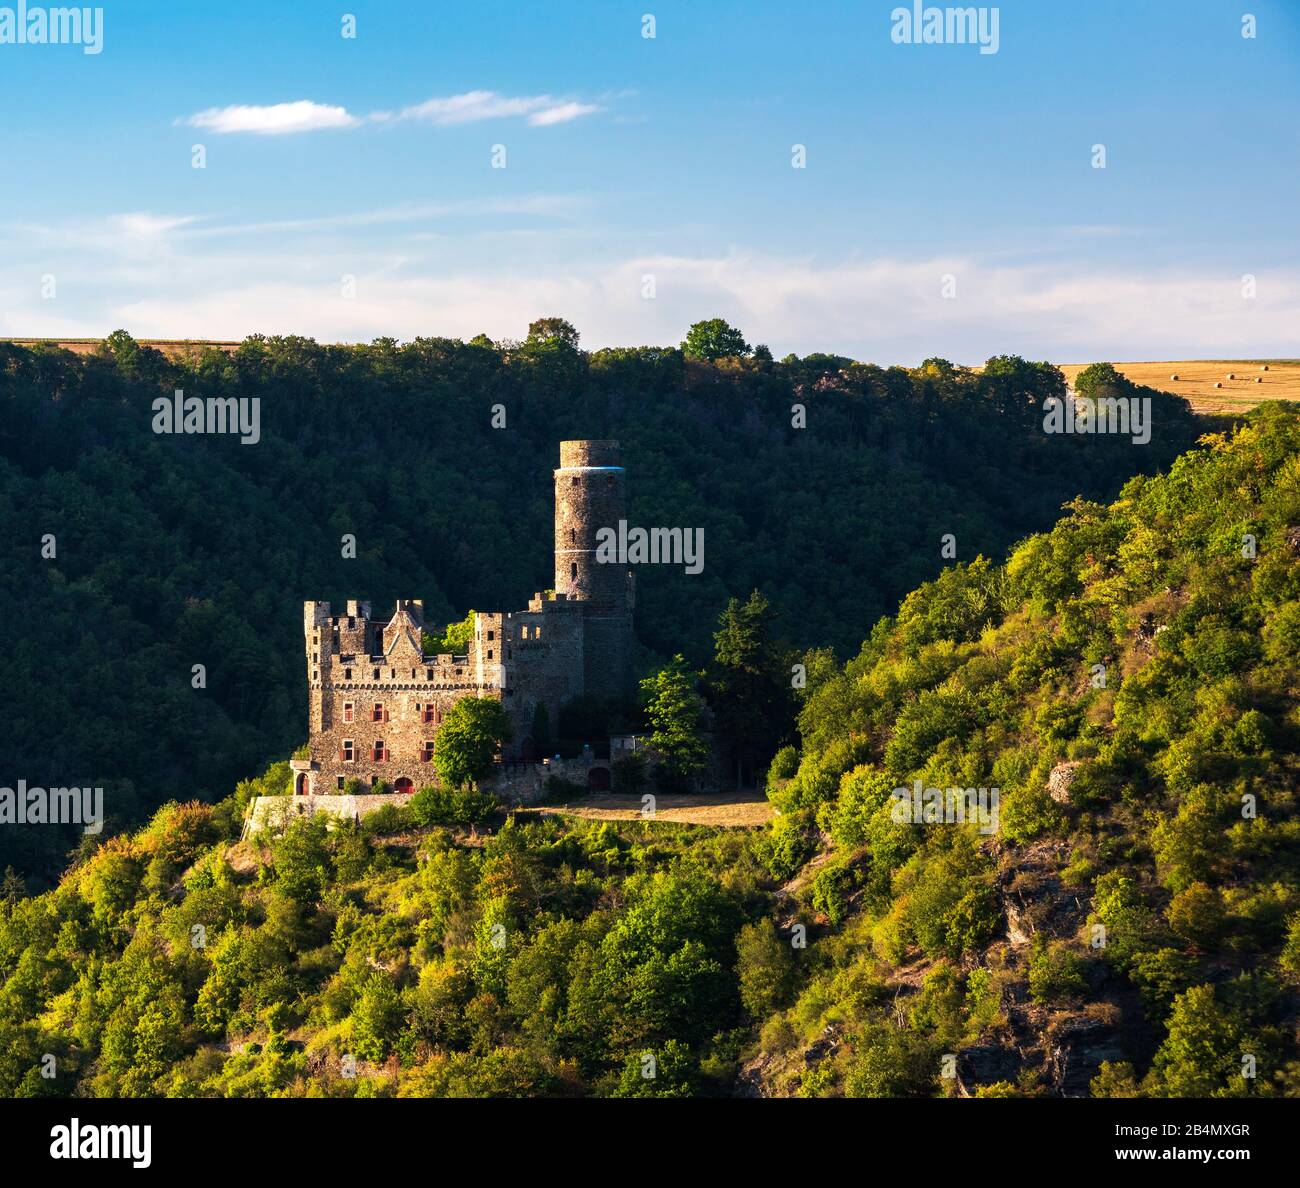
[377, 699]
[590, 495]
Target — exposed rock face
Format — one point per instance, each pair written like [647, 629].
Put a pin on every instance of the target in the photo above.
[1078, 1047]
[1062, 776]
[1019, 932]
[985, 1065]
[823, 1046]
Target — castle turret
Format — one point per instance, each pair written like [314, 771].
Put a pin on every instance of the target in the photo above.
[589, 496]
[317, 627]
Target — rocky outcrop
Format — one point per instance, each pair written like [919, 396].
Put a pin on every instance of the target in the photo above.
[1075, 1049]
[985, 1064]
[1060, 779]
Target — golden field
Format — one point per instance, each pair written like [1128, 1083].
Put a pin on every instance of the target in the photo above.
[1197, 377]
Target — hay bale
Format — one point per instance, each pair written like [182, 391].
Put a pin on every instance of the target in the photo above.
[1259, 379]
[1174, 376]
[1231, 376]
[1264, 368]
[1217, 384]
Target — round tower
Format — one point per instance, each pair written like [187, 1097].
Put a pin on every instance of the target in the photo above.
[589, 496]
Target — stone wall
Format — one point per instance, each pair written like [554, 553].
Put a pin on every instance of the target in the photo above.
[273, 813]
[525, 783]
[545, 647]
[512, 784]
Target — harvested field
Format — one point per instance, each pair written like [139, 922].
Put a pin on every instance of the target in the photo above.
[1196, 380]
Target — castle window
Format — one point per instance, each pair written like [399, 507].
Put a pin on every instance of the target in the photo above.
[489, 653]
[352, 622]
[426, 752]
[338, 783]
[349, 711]
[429, 711]
[347, 674]
[428, 674]
[524, 633]
[574, 481]
[509, 653]
[492, 635]
[379, 714]
[573, 570]
[380, 753]
[346, 753]
[376, 676]
[573, 536]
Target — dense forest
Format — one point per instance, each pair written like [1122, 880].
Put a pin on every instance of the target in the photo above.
[1127, 681]
[132, 556]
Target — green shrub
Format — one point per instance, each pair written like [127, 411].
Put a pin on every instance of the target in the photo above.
[831, 887]
[437, 805]
[784, 764]
[764, 968]
[1054, 971]
[787, 845]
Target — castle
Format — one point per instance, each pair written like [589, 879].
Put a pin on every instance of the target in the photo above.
[377, 700]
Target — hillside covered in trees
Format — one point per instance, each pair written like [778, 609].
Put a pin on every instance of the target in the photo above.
[177, 550]
[1128, 682]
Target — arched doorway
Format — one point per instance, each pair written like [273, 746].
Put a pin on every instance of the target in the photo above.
[404, 786]
[598, 779]
[302, 784]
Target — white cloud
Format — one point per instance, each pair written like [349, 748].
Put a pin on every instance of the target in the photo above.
[277, 119]
[143, 223]
[474, 106]
[561, 113]
[544, 206]
[280, 119]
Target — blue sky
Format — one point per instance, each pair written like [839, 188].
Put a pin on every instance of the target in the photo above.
[378, 210]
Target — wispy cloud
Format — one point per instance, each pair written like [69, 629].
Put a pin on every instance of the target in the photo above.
[561, 113]
[471, 107]
[474, 106]
[177, 276]
[277, 119]
[542, 206]
[143, 223]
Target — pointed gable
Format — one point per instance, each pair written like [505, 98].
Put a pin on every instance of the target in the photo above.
[403, 639]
